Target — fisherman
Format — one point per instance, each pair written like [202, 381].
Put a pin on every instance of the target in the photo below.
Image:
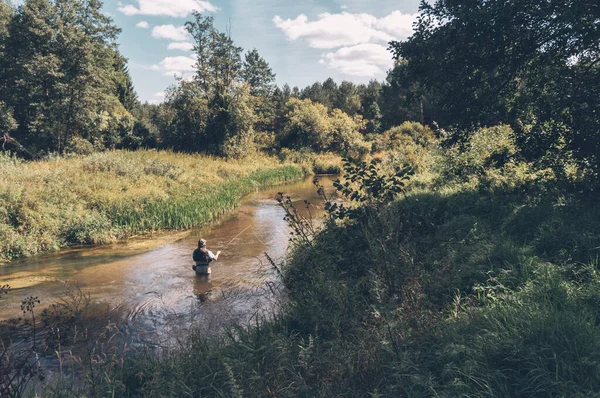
[203, 257]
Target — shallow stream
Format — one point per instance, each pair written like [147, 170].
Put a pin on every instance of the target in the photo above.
[146, 281]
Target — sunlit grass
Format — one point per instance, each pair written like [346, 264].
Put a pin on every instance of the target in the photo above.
[108, 196]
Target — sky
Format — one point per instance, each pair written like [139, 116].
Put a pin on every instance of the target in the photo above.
[303, 40]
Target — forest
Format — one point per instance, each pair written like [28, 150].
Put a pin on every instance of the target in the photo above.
[461, 259]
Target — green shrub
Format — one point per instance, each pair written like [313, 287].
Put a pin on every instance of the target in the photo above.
[89, 228]
[80, 146]
[410, 144]
[9, 159]
[307, 125]
[488, 150]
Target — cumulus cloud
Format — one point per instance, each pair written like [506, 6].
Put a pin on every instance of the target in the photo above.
[397, 25]
[171, 8]
[360, 39]
[175, 33]
[183, 46]
[143, 25]
[346, 29]
[180, 66]
[363, 60]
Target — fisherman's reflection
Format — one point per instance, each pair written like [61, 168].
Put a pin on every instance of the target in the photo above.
[203, 287]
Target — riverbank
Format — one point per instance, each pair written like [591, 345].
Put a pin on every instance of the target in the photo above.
[481, 280]
[106, 197]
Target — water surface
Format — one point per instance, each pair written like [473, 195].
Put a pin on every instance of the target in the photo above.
[150, 279]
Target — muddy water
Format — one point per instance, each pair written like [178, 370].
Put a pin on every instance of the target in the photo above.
[152, 278]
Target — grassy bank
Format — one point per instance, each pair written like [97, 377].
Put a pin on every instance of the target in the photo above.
[482, 281]
[104, 197]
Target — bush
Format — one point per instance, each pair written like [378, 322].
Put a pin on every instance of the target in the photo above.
[162, 168]
[488, 150]
[80, 146]
[307, 125]
[347, 139]
[409, 144]
[89, 228]
[327, 163]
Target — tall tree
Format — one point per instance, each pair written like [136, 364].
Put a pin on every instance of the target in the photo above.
[124, 85]
[218, 60]
[370, 97]
[530, 63]
[347, 98]
[258, 74]
[59, 73]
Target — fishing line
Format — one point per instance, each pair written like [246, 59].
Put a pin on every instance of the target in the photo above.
[231, 241]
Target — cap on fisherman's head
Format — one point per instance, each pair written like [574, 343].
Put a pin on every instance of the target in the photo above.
[202, 243]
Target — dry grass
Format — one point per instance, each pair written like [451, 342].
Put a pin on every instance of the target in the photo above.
[108, 196]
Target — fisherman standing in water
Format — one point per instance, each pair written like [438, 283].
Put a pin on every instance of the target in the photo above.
[203, 257]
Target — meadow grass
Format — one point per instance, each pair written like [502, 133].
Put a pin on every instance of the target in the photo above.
[108, 196]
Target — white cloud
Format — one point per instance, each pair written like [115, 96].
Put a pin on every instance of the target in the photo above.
[180, 66]
[143, 25]
[175, 33]
[346, 29]
[183, 46]
[171, 8]
[344, 7]
[363, 60]
[397, 25]
[160, 94]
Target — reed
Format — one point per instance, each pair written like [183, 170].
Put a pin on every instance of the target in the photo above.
[109, 196]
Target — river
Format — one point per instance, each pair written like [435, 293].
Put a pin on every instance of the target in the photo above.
[148, 283]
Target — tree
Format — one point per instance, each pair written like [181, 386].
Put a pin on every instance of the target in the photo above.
[257, 73]
[215, 112]
[59, 75]
[307, 125]
[370, 97]
[218, 60]
[347, 98]
[532, 64]
[403, 98]
[124, 85]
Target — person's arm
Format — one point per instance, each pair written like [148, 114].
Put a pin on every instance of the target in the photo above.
[212, 256]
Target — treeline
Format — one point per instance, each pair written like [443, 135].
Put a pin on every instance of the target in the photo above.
[65, 88]
[232, 106]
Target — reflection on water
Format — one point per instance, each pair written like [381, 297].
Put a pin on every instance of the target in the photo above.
[144, 280]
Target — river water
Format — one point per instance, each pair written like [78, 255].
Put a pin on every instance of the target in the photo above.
[149, 282]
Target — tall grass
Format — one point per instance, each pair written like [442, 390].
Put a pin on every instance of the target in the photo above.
[108, 196]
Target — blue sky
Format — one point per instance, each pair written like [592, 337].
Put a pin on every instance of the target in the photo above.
[303, 40]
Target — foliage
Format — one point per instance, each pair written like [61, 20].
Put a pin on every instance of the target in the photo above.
[532, 65]
[307, 125]
[367, 185]
[59, 75]
[410, 143]
[487, 150]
